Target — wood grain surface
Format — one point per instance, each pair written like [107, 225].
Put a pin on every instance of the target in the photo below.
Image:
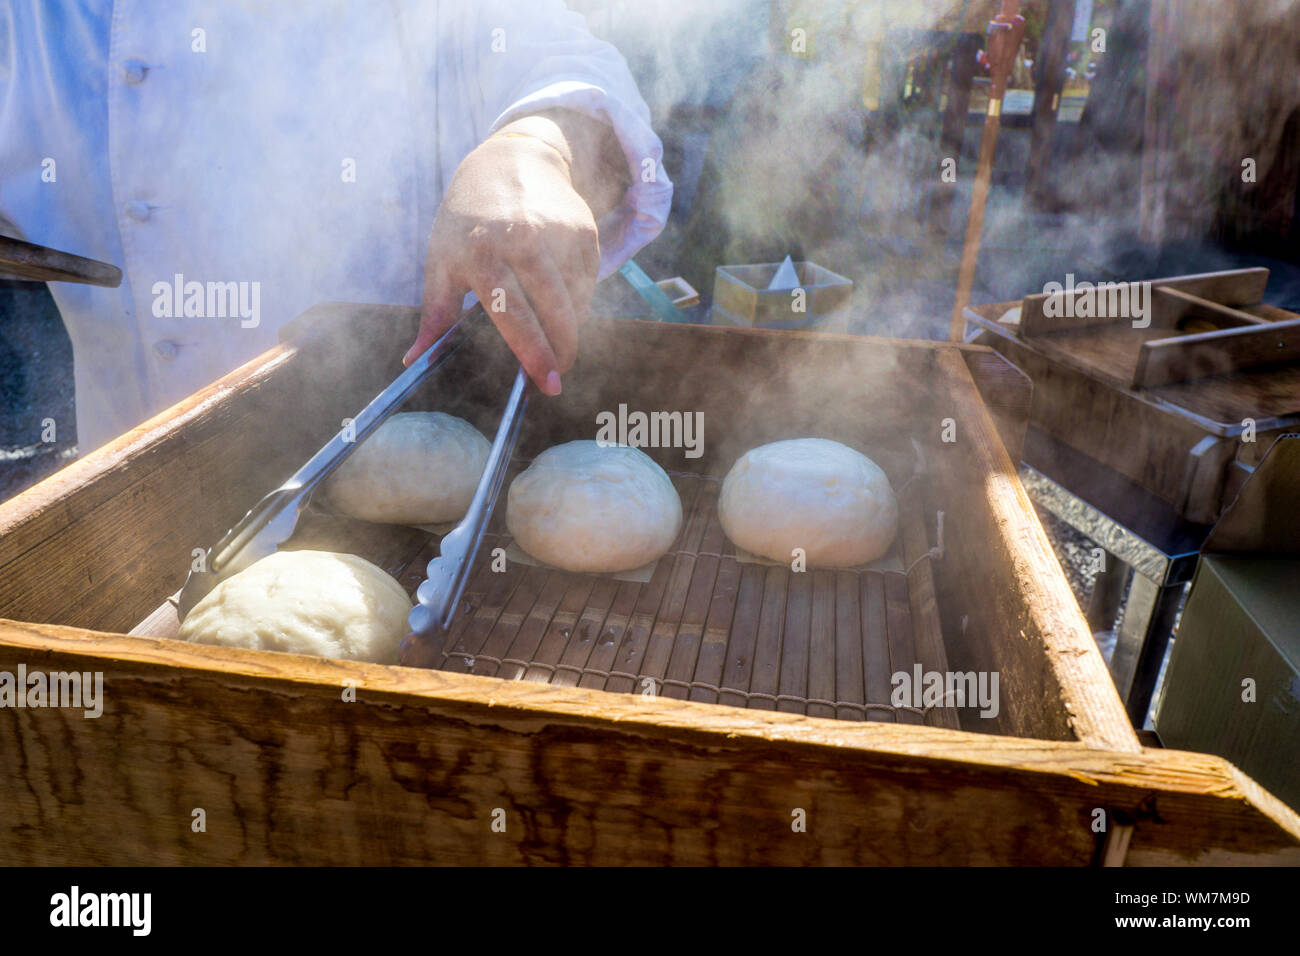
[1186, 358]
[1233, 287]
[417, 768]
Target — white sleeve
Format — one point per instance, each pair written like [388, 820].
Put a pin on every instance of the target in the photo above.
[540, 55]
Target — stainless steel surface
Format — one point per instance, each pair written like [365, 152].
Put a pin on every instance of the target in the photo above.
[1128, 547]
[1145, 632]
[1156, 586]
[272, 521]
[1142, 597]
[438, 596]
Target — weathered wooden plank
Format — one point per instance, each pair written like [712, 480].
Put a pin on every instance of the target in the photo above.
[1233, 287]
[1007, 392]
[1172, 306]
[415, 768]
[1183, 358]
[995, 518]
[61, 553]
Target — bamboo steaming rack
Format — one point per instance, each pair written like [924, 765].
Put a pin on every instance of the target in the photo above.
[705, 627]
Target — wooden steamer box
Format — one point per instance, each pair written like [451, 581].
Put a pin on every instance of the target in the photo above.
[762, 676]
[1184, 407]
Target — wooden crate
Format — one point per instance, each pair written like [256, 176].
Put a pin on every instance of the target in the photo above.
[289, 768]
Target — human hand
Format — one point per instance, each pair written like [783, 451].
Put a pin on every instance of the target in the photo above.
[513, 229]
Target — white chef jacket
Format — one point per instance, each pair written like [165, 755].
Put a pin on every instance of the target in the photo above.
[302, 145]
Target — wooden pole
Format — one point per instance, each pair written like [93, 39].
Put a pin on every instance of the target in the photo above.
[1005, 32]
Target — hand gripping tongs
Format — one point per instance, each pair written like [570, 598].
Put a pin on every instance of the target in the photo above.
[272, 520]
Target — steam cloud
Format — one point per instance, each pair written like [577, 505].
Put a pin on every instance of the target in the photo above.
[798, 164]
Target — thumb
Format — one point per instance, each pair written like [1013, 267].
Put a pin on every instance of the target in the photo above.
[439, 310]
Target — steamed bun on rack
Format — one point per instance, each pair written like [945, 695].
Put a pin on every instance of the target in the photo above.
[305, 602]
[810, 493]
[416, 468]
[583, 506]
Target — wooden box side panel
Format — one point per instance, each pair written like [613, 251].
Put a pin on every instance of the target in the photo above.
[744, 387]
[1007, 393]
[1006, 602]
[419, 766]
[1101, 423]
[96, 543]
[99, 543]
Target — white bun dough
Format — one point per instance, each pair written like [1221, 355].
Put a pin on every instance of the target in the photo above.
[416, 468]
[809, 493]
[305, 602]
[584, 507]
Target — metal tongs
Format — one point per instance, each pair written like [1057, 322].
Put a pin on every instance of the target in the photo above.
[272, 521]
[438, 597]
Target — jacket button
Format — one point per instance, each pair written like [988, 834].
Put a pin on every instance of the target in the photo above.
[138, 210]
[166, 349]
[133, 71]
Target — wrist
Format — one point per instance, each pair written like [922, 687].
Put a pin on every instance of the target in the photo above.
[544, 145]
[586, 148]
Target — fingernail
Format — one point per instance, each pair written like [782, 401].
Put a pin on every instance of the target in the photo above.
[553, 383]
[409, 357]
